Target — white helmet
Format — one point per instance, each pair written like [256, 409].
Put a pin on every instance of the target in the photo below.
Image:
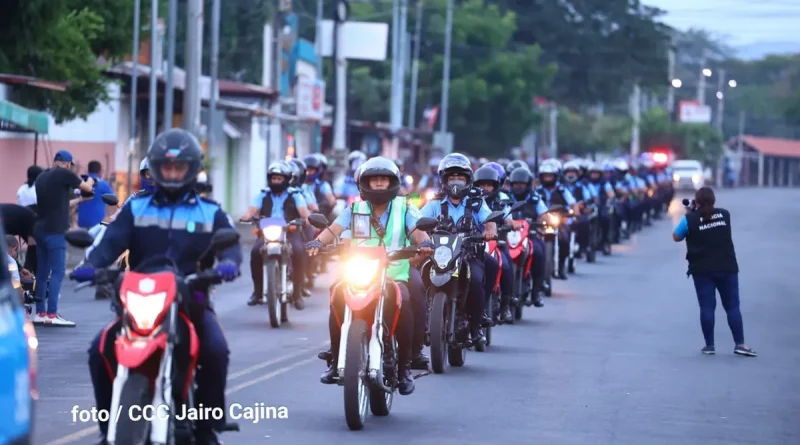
[572, 165]
[621, 165]
[549, 168]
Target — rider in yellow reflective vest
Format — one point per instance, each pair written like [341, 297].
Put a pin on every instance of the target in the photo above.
[391, 220]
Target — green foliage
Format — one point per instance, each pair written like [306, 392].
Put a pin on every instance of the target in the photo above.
[491, 86]
[60, 40]
[600, 46]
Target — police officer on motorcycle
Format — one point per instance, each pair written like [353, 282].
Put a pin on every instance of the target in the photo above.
[314, 184]
[604, 192]
[349, 187]
[488, 179]
[392, 220]
[279, 200]
[583, 195]
[521, 183]
[172, 221]
[456, 177]
[553, 193]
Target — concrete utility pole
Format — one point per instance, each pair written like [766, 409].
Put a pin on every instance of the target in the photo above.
[412, 106]
[340, 76]
[194, 56]
[137, 12]
[671, 89]
[401, 60]
[154, 69]
[720, 99]
[636, 112]
[448, 42]
[169, 91]
[701, 83]
[212, 101]
[396, 104]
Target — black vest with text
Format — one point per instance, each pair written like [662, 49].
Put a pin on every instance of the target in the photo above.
[290, 212]
[709, 244]
[556, 196]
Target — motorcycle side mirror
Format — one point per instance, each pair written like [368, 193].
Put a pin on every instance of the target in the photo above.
[318, 221]
[494, 217]
[80, 238]
[426, 224]
[224, 238]
[110, 199]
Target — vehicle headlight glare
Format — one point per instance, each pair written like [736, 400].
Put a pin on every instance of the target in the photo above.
[361, 272]
[273, 233]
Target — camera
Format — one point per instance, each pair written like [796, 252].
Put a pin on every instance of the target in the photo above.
[689, 205]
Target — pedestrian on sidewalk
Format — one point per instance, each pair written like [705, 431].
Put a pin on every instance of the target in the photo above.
[55, 193]
[713, 266]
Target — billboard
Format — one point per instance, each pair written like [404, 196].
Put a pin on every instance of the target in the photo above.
[690, 111]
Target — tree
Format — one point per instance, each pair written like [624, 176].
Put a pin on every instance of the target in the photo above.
[600, 46]
[60, 40]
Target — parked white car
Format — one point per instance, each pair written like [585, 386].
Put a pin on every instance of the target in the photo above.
[688, 174]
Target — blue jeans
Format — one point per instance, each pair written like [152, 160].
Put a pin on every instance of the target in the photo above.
[707, 286]
[51, 249]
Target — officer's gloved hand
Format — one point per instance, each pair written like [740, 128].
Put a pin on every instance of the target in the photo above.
[227, 270]
[83, 274]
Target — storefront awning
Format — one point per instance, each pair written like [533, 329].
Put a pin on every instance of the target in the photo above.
[16, 118]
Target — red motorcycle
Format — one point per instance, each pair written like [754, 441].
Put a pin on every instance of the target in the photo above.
[520, 248]
[154, 331]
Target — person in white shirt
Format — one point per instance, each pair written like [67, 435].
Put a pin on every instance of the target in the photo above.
[26, 195]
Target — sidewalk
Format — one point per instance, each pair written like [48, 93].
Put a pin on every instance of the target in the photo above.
[75, 255]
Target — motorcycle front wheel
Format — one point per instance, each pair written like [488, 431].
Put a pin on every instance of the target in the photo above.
[548, 268]
[356, 392]
[273, 285]
[439, 332]
[135, 392]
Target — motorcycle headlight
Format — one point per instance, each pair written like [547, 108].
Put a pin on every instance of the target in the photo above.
[273, 233]
[555, 220]
[675, 177]
[361, 272]
[145, 309]
[442, 256]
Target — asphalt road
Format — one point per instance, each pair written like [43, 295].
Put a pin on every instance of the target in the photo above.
[613, 358]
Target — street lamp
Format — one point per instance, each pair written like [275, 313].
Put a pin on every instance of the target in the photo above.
[676, 83]
[706, 72]
[732, 83]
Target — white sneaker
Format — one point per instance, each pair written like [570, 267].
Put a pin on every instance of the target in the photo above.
[57, 320]
[38, 318]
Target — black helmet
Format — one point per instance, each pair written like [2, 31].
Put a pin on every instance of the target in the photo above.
[175, 146]
[313, 161]
[455, 164]
[521, 180]
[379, 166]
[283, 169]
[299, 177]
[489, 175]
[513, 165]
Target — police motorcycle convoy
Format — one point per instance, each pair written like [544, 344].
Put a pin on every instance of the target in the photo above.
[152, 353]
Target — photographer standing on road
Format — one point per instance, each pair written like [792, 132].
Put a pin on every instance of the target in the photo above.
[713, 266]
[55, 193]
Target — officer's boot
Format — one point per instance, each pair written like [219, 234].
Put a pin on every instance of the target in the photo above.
[297, 298]
[103, 432]
[331, 375]
[255, 299]
[505, 310]
[562, 268]
[405, 380]
[536, 293]
[477, 336]
[419, 360]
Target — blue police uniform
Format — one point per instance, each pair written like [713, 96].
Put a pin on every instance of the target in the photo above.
[278, 205]
[349, 188]
[539, 266]
[149, 226]
[483, 271]
[583, 225]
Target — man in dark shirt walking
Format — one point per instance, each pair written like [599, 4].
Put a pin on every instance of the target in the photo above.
[54, 190]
